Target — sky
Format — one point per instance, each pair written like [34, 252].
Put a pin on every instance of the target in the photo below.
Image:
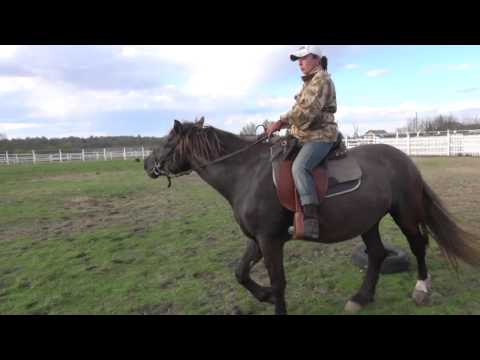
[102, 90]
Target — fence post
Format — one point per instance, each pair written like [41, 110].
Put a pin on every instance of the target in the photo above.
[104, 154]
[143, 153]
[124, 154]
[6, 157]
[16, 158]
[97, 155]
[449, 141]
[346, 144]
[60, 154]
[34, 157]
[83, 154]
[408, 144]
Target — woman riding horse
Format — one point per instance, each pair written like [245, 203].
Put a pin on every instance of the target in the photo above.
[312, 122]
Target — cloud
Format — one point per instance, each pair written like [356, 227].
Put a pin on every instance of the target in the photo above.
[390, 118]
[276, 102]
[459, 67]
[7, 126]
[8, 51]
[468, 90]
[213, 71]
[351, 66]
[13, 84]
[235, 122]
[377, 72]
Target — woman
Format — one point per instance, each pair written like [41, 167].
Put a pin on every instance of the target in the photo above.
[312, 122]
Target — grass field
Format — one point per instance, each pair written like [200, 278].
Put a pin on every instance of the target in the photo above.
[103, 238]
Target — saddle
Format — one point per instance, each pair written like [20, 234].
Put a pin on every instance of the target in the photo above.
[338, 174]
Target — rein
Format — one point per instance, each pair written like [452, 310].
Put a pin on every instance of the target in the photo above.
[157, 169]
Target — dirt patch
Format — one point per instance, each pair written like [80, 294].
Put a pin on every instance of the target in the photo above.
[81, 202]
[167, 308]
[70, 177]
[93, 213]
[204, 275]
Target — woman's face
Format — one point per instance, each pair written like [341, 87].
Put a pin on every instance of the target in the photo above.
[308, 62]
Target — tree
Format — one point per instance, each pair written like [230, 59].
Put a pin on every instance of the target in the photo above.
[355, 131]
[249, 129]
[438, 123]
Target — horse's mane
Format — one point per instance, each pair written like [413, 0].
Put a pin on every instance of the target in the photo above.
[207, 143]
[202, 143]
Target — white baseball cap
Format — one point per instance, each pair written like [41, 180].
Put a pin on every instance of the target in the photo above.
[305, 50]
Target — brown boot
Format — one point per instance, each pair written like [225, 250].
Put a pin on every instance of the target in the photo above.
[310, 222]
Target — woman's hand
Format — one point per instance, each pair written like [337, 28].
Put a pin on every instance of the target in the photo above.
[276, 126]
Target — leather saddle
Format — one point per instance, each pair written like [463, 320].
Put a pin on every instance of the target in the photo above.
[338, 174]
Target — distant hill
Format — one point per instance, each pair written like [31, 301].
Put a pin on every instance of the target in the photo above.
[74, 144]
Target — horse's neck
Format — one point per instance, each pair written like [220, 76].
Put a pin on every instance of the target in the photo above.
[225, 175]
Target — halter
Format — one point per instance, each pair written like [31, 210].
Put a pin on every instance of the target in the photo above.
[158, 171]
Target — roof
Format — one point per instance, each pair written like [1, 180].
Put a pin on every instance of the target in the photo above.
[376, 132]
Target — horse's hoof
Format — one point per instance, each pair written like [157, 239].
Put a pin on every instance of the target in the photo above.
[421, 297]
[352, 306]
[421, 293]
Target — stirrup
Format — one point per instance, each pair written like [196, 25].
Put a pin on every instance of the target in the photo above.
[311, 229]
[291, 230]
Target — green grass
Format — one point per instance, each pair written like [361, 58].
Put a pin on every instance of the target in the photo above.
[103, 238]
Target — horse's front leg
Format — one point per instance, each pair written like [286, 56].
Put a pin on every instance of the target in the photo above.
[252, 256]
[273, 256]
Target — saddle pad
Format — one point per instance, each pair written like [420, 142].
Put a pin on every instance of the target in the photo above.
[343, 170]
[344, 176]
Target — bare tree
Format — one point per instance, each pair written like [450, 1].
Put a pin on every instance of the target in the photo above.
[355, 130]
[438, 123]
[248, 129]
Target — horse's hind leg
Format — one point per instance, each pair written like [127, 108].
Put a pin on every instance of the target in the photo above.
[252, 256]
[418, 241]
[376, 255]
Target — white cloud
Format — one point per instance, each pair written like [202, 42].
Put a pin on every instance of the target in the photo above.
[459, 67]
[129, 51]
[276, 102]
[214, 71]
[12, 84]
[45, 99]
[390, 118]
[351, 66]
[467, 90]
[235, 122]
[8, 51]
[6, 126]
[377, 72]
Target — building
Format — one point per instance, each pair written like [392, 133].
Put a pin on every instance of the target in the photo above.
[376, 133]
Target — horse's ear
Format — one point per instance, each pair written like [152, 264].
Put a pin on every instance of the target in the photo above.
[177, 127]
[200, 122]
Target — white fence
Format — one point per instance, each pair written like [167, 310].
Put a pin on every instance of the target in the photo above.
[427, 144]
[85, 155]
[421, 144]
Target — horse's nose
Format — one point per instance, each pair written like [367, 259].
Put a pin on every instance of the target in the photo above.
[149, 164]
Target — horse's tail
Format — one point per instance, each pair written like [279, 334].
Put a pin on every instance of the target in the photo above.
[454, 242]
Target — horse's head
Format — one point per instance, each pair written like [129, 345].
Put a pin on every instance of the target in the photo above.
[173, 156]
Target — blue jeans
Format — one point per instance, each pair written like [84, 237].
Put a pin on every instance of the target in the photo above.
[311, 155]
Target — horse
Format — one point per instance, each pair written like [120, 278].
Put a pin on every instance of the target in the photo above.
[241, 171]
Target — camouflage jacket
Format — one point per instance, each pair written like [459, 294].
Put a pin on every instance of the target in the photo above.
[311, 118]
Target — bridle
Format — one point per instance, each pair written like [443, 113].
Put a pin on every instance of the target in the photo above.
[157, 169]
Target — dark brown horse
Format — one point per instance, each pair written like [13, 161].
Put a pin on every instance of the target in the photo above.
[391, 184]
